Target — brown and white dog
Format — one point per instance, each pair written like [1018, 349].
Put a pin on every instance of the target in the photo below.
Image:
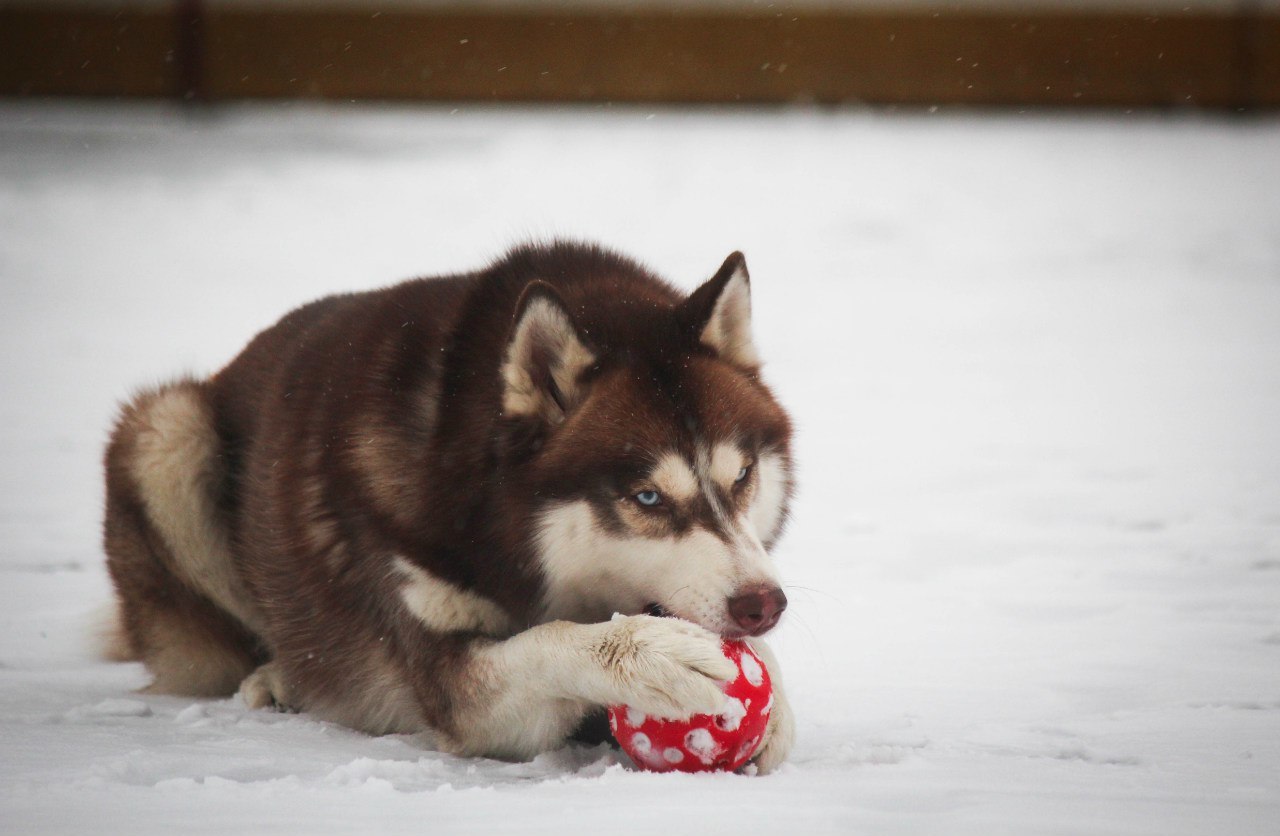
[462, 505]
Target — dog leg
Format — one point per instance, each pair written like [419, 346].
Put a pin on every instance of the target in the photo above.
[180, 609]
[780, 733]
[265, 688]
[529, 692]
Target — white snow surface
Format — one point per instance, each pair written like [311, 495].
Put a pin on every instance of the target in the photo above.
[1034, 366]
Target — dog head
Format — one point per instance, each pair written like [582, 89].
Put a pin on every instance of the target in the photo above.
[658, 459]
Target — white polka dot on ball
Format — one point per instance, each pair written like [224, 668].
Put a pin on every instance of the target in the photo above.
[751, 668]
[673, 755]
[702, 745]
[731, 718]
[640, 742]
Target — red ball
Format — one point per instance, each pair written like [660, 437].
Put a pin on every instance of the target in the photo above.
[704, 742]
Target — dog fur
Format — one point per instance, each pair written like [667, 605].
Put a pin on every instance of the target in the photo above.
[428, 507]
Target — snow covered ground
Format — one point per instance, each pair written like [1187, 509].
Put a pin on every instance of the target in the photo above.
[1035, 366]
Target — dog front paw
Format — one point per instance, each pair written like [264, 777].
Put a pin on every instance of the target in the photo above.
[780, 733]
[779, 736]
[664, 667]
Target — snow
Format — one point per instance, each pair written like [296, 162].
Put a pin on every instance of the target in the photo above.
[1034, 365]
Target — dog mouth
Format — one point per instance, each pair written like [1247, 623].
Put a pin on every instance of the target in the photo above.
[750, 625]
[657, 610]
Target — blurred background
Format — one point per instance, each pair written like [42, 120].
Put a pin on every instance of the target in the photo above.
[1116, 53]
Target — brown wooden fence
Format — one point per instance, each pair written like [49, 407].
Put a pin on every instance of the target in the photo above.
[1093, 58]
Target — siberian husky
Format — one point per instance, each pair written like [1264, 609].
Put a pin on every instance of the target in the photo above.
[481, 506]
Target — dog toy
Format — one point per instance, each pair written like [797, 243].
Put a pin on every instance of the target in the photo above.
[704, 742]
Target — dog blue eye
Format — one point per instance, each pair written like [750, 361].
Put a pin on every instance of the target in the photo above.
[649, 499]
[742, 474]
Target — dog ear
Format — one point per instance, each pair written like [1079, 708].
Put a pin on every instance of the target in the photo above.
[719, 313]
[545, 358]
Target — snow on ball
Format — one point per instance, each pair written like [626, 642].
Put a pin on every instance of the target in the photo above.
[704, 742]
[752, 669]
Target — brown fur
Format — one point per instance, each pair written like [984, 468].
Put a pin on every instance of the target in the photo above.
[367, 429]
[191, 645]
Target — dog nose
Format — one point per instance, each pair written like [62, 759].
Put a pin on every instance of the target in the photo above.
[758, 610]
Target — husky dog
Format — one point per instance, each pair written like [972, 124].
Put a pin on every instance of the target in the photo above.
[481, 506]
